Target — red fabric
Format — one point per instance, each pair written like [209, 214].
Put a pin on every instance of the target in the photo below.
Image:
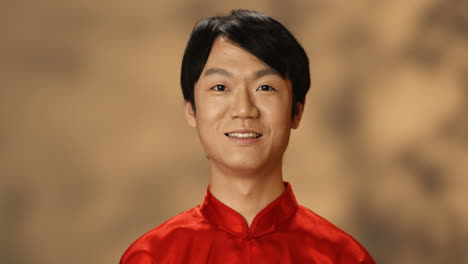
[283, 232]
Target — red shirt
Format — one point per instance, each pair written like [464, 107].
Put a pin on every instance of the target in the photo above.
[283, 232]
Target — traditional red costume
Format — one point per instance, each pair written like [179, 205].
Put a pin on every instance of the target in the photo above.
[283, 232]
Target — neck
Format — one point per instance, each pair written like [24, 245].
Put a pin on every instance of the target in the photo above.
[247, 193]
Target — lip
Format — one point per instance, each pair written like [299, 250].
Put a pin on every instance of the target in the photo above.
[244, 141]
[243, 131]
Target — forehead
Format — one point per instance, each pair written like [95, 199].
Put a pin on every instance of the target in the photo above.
[225, 53]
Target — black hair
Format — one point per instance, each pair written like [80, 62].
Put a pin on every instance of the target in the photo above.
[260, 35]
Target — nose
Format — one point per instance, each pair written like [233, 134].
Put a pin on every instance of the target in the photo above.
[243, 105]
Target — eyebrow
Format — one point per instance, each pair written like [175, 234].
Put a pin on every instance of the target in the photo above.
[218, 71]
[257, 74]
[264, 72]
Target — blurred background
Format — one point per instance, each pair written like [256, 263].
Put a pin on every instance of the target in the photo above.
[95, 151]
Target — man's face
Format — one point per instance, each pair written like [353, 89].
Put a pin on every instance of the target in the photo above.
[243, 110]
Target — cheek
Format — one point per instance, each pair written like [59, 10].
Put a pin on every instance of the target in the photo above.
[277, 112]
[210, 111]
[281, 129]
[279, 122]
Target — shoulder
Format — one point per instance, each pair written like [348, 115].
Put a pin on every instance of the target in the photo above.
[138, 257]
[330, 236]
[145, 248]
[317, 224]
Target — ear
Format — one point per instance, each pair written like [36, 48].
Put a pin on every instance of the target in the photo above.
[296, 119]
[190, 114]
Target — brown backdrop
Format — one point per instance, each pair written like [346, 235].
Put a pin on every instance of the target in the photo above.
[95, 150]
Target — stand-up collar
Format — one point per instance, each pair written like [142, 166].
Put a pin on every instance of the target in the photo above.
[265, 221]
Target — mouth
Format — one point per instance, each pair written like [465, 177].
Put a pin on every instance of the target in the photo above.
[243, 134]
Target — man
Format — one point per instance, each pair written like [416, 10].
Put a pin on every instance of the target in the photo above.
[244, 79]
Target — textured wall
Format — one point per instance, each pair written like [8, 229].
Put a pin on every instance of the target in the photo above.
[95, 151]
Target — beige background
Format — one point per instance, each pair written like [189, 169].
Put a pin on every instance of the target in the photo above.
[95, 150]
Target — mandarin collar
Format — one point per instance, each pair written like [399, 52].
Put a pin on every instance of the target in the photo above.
[266, 221]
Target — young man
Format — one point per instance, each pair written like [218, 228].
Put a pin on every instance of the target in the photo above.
[244, 79]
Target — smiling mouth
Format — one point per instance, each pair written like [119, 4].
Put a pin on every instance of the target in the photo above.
[244, 135]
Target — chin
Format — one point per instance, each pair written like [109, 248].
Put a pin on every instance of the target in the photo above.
[244, 165]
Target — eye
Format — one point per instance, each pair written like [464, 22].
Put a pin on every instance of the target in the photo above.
[219, 88]
[265, 87]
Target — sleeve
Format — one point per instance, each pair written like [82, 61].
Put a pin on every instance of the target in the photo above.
[365, 257]
[368, 260]
[138, 257]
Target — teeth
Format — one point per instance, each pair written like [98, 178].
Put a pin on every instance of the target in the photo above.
[244, 135]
